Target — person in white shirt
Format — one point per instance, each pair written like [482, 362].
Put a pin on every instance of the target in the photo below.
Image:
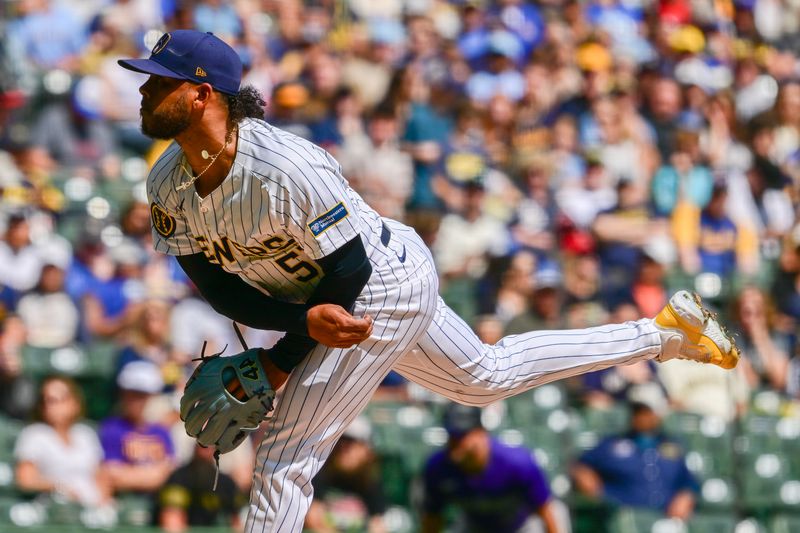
[58, 454]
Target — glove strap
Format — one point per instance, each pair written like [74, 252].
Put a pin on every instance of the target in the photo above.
[216, 470]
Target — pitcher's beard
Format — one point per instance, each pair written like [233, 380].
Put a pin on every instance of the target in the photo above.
[167, 124]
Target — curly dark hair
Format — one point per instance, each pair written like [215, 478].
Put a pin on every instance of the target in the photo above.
[247, 103]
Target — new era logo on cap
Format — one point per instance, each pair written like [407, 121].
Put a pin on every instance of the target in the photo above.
[177, 55]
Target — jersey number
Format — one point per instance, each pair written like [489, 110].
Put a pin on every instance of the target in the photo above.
[285, 262]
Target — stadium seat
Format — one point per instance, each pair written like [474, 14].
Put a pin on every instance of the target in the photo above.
[767, 483]
[590, 426]
[762, 434]
[396, 479]
[39, 362]
[630, 520]
[9, 430]
[534, 406]
[785, 523]
[63, 513]
[708, 523]
[101, 359]
[709, 443]
[17, 512]
[134, 510]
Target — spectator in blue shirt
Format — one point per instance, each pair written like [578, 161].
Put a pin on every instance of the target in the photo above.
[49, 34]
[217, 17]
[494, 487]
[641, 468]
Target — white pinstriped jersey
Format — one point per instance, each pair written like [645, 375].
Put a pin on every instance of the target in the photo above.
[283, 205]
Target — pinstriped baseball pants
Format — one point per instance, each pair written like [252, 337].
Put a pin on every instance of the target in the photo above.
[417, 335]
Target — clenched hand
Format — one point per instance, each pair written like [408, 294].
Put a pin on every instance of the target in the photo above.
[333, 326]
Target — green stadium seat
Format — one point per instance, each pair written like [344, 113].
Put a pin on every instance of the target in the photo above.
[96, 360]
[9, 431]
[534, 406]
[709, 444]
[396, 479]
[63, 513]
[759, 435]
[612, 420]
[766, 402]
[767, 483]
[134, 510]
[399, 520]
[708, 523]
[629, 520]
[717, 492]
[404, 437]
[102, 359]
[17, 512]
[39, 362]
[395, 426]
[590, 426]
[785, 523]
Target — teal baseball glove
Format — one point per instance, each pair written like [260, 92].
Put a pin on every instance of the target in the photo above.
[225, 399]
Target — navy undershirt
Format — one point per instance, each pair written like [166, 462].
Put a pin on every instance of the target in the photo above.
[347, 271]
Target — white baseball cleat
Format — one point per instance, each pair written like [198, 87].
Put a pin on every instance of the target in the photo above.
[690, 331]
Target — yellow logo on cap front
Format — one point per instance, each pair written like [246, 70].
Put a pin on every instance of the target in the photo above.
[161, 44]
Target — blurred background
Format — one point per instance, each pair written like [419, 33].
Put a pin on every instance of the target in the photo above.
[569, 162]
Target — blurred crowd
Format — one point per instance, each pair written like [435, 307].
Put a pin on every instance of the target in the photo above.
[569, 163]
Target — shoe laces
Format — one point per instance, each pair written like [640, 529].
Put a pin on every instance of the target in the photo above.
[710, 315]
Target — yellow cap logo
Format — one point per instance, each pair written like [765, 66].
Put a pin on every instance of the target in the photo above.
[200, 72]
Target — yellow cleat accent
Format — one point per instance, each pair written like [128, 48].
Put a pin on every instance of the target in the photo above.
[703, 338]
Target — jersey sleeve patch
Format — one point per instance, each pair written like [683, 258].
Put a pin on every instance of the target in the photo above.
[163, 222]
[325, 221]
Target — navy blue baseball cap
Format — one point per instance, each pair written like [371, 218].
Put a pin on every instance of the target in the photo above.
[193, 56]
[460, 419]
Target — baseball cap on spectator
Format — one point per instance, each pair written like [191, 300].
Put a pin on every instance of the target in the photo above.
[11, 99]
[140, 376]
[546, 278]
[464, 168]
[707, 73]
[128, 253]
[691, 121]
[461, 419]
[386, 31]
[648, 396]
[577, 241]
[675, 12]
[193, 56]
[506, 44]
[593, 57]
[661, 249]
[688, 39]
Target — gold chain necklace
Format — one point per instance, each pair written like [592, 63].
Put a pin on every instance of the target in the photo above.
[186, 184]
